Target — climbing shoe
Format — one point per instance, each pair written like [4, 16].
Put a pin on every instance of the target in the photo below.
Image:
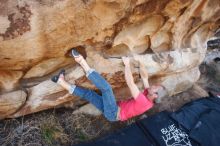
[74, 53]
[56, 77]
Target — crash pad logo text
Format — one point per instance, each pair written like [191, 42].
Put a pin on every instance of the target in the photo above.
[173, 136]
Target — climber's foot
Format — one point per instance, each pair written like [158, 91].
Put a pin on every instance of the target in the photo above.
[78, 57]
[74, 53]
[58, 77]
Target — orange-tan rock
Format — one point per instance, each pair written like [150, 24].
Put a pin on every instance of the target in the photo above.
[35, 38]
[9, 80]
[11, 102]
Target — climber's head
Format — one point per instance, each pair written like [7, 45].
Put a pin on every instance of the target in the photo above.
[156, 92]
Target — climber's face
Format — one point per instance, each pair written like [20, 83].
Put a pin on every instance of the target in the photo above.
[153, 91]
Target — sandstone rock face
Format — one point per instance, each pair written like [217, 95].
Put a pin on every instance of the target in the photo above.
[11, 102]
[169, 36]
[9, 80]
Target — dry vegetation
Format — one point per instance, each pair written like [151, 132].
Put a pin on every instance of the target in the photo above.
[57, 127]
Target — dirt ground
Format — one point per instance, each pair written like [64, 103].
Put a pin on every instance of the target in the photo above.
[61, 127]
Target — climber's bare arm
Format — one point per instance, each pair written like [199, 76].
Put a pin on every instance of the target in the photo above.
[144, 75]
[129, 78]
[143, 71]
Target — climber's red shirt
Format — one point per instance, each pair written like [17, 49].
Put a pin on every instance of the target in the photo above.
[134, 107]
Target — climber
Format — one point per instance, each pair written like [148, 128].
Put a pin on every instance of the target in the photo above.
[106, 102]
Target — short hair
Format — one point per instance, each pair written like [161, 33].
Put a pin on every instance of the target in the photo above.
[161, 94]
